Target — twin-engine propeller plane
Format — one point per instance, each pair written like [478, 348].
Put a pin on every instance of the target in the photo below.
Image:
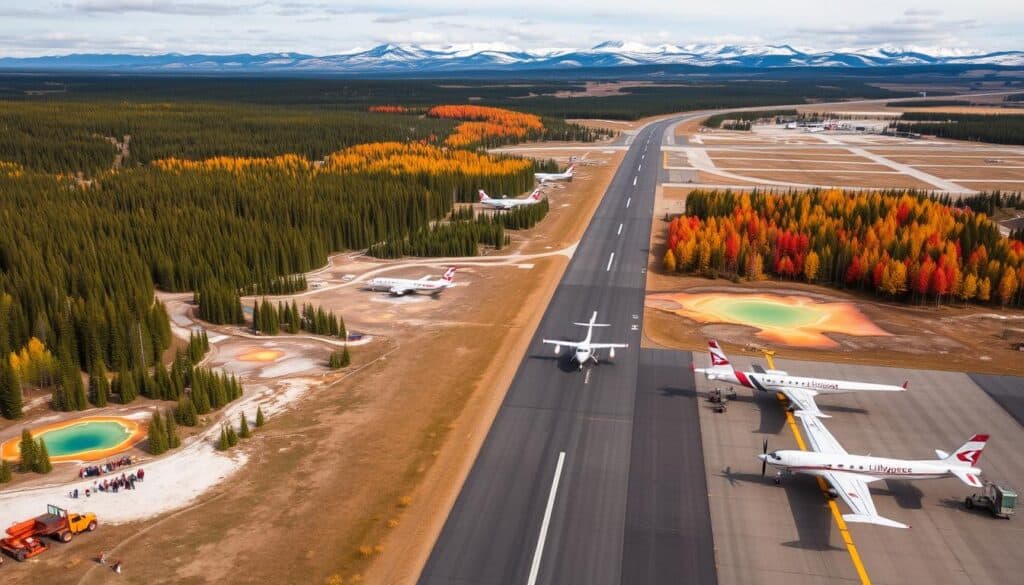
[585, 350]
[799, 390]
[849, 475]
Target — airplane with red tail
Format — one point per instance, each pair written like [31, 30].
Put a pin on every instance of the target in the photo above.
[799, 390]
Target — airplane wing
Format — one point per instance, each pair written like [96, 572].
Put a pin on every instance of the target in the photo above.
[560, 342]
[853, 489]
[804, 401]
[758, 369]
[608, 345]
[820, 438]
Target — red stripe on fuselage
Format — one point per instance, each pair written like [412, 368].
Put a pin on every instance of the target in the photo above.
[742, 378]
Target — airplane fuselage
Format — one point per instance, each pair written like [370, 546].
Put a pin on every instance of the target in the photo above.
[776, 382]
[401, 286]
[818, 464]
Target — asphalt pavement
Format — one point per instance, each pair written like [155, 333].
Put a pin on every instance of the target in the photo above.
[561, 490]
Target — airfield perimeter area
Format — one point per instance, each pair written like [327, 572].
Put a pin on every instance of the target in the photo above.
[575, 483]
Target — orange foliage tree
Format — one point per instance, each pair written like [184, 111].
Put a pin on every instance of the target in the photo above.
[487, 126]
[901, 244]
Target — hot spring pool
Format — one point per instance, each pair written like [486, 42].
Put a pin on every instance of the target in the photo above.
[83, 439]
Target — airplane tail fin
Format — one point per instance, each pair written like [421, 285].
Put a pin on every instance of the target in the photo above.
[963, 461]
[535, 195]
[449, 275]
[719, 363]
[569, 171]
[879, 520]
[483, 195]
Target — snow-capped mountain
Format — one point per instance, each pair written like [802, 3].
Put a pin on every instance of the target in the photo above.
[411, 58]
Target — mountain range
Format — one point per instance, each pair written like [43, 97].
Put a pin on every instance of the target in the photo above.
[412, 59]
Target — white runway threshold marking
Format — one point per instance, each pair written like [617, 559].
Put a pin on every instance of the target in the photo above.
[610, 258]
[620, 230]
[535, 567]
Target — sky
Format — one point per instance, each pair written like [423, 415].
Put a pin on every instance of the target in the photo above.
[324, 27]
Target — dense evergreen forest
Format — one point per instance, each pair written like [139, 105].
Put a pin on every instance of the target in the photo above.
[902, 245]
[546, 98]
[995, 128]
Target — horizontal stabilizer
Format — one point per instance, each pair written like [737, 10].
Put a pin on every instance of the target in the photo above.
[941, 454]
[967, 476]
[880, 521]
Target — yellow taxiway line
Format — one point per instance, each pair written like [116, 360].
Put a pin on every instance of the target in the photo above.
[843, 530]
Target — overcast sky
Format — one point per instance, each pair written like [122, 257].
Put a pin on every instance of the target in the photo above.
[45, 27]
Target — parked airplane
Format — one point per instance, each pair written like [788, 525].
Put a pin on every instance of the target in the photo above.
[849, 475]
[799, 390]
[401, 286]
[566, 176]
[509, 203]
[585, 349]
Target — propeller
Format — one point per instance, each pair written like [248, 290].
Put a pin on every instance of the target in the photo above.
[764, 460]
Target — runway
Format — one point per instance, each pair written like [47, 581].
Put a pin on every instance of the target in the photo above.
[561, 491]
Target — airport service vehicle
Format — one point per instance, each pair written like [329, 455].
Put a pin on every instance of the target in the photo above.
[505, 203]
[997, 499]
[25, 539]
[403, 286]
[849, 475]
[799, 390]
[546, 177]
[585, 350]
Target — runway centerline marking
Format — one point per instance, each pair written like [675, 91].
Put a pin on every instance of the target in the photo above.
[620, 230]
[844, 532]
[628, 201]
[535, 567]
[586, 377]
[639, 166]
[610, 258]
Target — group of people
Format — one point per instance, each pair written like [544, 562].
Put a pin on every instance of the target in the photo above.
[125, 482]
[105, 468]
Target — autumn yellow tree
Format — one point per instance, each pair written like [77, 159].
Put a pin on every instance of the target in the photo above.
[969, 288]
[669, 261]
[985, 290]
[1007, 286]
[811, 264]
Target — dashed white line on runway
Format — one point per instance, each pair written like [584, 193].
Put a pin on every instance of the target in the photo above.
[620, 230]
[610, 258]
[628, 201]
[535, 567]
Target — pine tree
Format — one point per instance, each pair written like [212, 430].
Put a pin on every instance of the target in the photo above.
[43, 464]
[173, 440]
[157, 434]
[28, 452]
[127, 386]
[243, 429]
[260, 420]
[222, 443]
[99, 387]
[10, 390]
[5, 471]
[185, 413]
[162, 381]
[232, 436]
[346, 359]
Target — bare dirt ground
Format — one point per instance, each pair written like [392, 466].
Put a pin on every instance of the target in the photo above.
[951, 337]
[358, 473]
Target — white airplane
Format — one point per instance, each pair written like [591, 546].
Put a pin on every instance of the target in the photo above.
[849, 475]
[566, 176]
[509, 203]
[799, 390]
[402, 286]
[585, 349]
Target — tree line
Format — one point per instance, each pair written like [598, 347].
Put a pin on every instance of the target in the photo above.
[994, 128]
[284, 317]
[741, 119]
[903, 245]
